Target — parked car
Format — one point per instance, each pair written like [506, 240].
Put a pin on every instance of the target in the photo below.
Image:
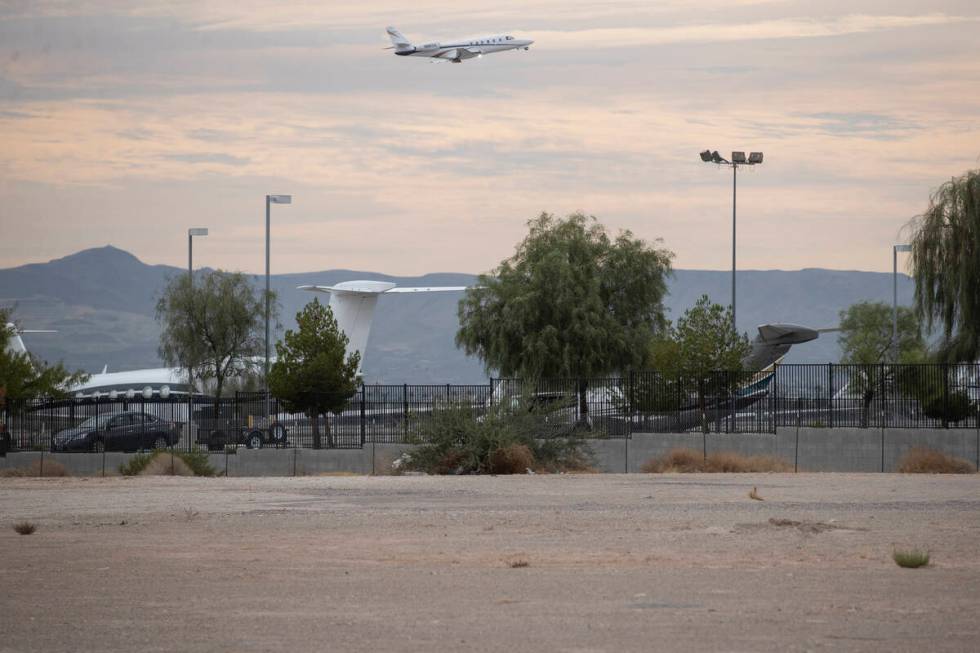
[123, 431]
[220, 427]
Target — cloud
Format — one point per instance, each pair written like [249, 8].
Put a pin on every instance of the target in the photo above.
[789, 28]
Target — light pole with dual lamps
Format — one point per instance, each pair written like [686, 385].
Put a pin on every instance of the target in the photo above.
[193, 231]
[738, 159]
[269, 201]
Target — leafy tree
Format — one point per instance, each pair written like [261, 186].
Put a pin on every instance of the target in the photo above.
[702, 354]
[946, 265]
[313, 372]
[571, 302]
[214, 327]
[866, 334]
[24, 377]
[865, 340]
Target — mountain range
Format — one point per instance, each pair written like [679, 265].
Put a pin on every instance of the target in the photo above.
[101, 301]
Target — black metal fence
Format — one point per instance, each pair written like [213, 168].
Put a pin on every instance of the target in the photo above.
[831, 396]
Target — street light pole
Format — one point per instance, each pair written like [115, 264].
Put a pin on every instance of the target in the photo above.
[738, 159]
[193, 231]
[895, 250]
[269, 200]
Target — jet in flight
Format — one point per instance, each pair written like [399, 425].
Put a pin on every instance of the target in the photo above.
[456, 50]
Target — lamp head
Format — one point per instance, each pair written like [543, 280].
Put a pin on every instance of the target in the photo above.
[903, 248]
[717, 158]
[197, 231]
[706, 156]
[280, 199]
[755, 157]
[738, 157]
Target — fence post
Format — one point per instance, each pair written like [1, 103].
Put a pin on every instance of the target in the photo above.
[490, 401]
[363, 416]
[405, 406]
[631, 404]
[830, 395]
[945, 371]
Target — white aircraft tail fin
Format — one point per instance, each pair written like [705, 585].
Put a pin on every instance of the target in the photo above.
[398, 39]
[15, 344]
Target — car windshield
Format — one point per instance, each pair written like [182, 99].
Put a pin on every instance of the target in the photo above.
[96, 422]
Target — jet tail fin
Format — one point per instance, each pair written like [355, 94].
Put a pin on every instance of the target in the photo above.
[398, 39]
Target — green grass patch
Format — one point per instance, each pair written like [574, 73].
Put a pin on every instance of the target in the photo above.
[910, 558]
[196, 459]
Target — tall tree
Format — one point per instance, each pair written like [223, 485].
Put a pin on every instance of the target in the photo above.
[865, 340]
[946, 265]
[702, 354]
[571, 302]
[24, 377]
[214, 327]
[313, 373]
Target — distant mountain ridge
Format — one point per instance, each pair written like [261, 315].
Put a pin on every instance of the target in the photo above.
[102, 303]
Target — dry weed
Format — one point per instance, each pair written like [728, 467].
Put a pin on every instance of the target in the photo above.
[25, 527]
[726, 462]
[512, 459]
[518, 564]
[164, 465]
[754, 494]
[51, 468]
[921, 460]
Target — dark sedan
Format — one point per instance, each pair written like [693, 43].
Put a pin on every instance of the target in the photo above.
[126, 431]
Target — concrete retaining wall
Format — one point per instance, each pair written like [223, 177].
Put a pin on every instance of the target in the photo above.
[813, 449]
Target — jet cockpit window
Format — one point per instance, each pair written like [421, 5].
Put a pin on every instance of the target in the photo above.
[510, 38]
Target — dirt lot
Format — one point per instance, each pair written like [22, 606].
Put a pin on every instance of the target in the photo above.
[557, 563]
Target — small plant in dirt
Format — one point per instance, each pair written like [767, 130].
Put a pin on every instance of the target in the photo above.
[910, 558]
[50, 468]
[25, 527]
[194, 462]
[518, 564]
[921, 460]
[454, 439]
[721, 462]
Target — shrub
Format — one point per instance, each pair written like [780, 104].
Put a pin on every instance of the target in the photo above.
[506, 439]
[50, 468]
[191, 463]
[164, 465]
[25, 527]
[910, 558]
[921, 460]
[684, 460]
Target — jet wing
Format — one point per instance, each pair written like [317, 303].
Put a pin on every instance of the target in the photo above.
[430, 289]
[458, 54]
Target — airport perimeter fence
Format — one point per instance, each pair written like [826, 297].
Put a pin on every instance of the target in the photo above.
[827, 395]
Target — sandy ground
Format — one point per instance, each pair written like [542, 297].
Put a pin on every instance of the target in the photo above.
[530, 563]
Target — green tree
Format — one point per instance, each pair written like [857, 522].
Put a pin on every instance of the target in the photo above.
[313, 373]
[214, 327]
[702, 354]
[571, 302]
[946, 266]
[24, 377]
[865, 341]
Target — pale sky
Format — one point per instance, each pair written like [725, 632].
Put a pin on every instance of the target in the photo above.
[125, 123]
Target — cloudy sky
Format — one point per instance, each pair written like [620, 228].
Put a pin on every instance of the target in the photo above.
[126, 122]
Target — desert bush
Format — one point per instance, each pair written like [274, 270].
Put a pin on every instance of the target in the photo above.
[25, 527]
[164, 465]
[156, 463]
[910, 558]
[683, 460]
[505, 439]
[51, 468]
[921, 460]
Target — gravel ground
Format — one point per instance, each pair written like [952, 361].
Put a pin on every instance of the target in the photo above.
[528, 563]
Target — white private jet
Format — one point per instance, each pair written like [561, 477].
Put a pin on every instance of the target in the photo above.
[456, 50]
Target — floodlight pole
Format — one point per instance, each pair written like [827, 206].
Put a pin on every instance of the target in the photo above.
[734, 185]
[265, 376]
[894, 344]
[199, 231]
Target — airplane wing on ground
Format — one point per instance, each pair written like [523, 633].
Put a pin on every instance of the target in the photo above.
[432, 289]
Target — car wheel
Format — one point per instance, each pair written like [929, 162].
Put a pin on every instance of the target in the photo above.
[160, 443]
[278, 433]
[98, 446]
[254, 440]
[216, 441]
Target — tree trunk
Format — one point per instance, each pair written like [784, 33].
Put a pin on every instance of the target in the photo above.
[315, 423]
[326, 427]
